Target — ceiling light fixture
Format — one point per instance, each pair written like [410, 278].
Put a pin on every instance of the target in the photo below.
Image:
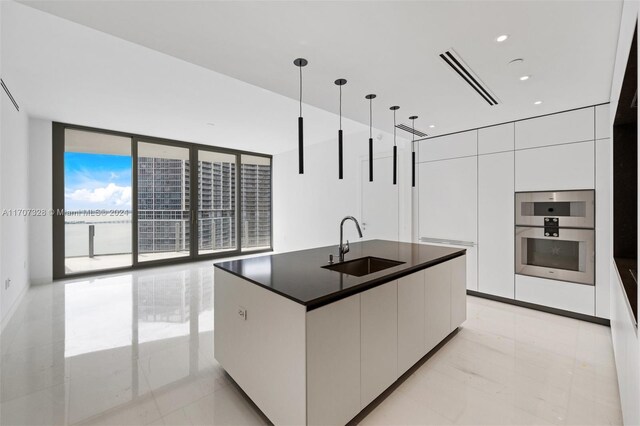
[537, 102]
[502, 38]
[300, 62]
[340, 82]
[395, 147]
[525, 77]
[431, 126]
[413, 152]
[371, 97]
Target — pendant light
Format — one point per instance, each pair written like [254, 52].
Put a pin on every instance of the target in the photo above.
[340, 82]
[371, 98]
[300, 62]
[395, 147]
[413, 152]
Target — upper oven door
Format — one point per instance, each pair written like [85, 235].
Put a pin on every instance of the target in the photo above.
[573, 209]
[570, 256]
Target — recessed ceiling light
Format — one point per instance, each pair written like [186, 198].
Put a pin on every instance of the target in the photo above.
[431, 126]
[211, 124]
[525, 77]
[537, 102]
[502, 38]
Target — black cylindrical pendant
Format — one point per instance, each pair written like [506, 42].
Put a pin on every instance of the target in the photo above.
[395, 164]
[413, 169]
[339, 154]
[300, 147]
[370, 159]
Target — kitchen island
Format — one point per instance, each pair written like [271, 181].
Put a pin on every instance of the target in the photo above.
[314, 343]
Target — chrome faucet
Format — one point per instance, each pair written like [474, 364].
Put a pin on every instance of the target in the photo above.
[344, 248]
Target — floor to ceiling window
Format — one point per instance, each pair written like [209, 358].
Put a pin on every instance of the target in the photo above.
[163, 179]
[216, 202]
[124, 200]
[97, 201]
[255, 174]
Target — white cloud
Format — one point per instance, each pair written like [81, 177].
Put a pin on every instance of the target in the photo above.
[111, 195]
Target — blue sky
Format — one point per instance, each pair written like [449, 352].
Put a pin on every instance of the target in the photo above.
[97, 181]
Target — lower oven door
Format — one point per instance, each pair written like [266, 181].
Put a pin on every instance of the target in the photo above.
[568, 257]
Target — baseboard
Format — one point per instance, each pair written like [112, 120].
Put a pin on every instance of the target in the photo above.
[547, 309]
[12, 310]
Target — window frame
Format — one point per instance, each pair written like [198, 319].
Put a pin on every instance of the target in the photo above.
[58, 201]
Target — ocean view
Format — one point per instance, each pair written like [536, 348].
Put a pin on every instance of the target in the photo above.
[112, 235]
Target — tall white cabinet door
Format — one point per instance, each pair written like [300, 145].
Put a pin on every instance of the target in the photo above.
[565, 127]
[554, 168]
[456, 145]
[437, 304]
[496, 139]
[378, 340]
[333, 362]
[448, 199]
[496, 224]
[458, 291]
[410, 320]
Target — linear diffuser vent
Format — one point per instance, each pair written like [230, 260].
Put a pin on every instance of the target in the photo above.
[406, 128]
[451, 58]
[8, 92]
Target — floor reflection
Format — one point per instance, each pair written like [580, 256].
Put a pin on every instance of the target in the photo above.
[122, 349]
[137, 349]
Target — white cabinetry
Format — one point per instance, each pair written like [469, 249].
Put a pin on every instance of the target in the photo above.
[457, 145]
[448, 203]
[437, 303]
[625, 349]
[554, 129]
[603, 122]
[411, 324]
[603, 227]
[322, 367]
[333, 362]
[496, 224]
[238, 340]
[556, 294]
[560, 167]
[448, 199]
[458, 292]
[495, 139]
[378, 340]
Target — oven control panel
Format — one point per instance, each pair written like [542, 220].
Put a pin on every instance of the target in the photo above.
[551, 227]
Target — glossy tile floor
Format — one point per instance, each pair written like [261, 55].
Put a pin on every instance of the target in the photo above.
[137, 348]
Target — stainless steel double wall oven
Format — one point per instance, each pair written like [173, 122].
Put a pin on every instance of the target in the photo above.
[555, 236]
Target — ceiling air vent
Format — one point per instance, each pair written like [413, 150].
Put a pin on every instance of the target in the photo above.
[451, 58]
[6, 89]
[406, 128]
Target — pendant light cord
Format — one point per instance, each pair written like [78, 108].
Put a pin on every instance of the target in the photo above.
[300, 90]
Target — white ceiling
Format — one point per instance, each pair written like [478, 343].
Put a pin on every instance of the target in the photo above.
[388, 48]
[62, 71]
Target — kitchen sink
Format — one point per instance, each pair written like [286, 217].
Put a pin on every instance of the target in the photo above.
[363, 266]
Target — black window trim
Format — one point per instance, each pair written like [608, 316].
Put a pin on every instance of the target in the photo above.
[58, 142]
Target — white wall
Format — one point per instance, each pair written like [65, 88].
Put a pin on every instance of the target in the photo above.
[308, 208]
[626, 345]
[165, 97]
[40, 197]
[14, 167]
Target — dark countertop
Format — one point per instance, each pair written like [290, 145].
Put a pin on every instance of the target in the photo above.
[299, 275]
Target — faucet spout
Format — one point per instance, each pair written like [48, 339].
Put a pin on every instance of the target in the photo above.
[344, 248]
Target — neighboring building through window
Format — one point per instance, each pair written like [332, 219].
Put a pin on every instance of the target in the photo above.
[218, 206]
